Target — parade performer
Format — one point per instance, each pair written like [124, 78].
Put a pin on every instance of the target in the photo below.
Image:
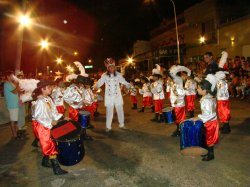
[44, 117]
[223, 103]
[190, 92]
[168, 85]
[146, 94]
[113, 97]
[177, 95]
[57, 96]
[207, 89]
[133, 94]
[158, 94]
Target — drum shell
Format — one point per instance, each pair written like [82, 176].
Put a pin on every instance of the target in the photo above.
[70, 152]
[168, 115]
[84, 118]
[192, 137]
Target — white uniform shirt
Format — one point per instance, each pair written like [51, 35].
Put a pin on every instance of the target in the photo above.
[44, 111]
[145, 91]
[157, 90]
[88, 96]
[190, 87]
[73, 96]
[112, 83]
[208, 108]
[177, 95]
[133, 90]
[57, 96]
[222, 90]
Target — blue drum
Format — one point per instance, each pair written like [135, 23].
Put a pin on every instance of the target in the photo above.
[84, 118]
[69, 144]
[168, 114]
[193, 140]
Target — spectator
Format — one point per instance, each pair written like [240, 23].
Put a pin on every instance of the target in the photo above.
[234, 83]
[11, 102]
[212, 66]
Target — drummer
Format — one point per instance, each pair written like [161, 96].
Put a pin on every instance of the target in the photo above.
[146, 94]
[208, 113]
[57, 95]
[44, 117]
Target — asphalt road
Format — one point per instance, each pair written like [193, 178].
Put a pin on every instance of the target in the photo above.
[144, 155]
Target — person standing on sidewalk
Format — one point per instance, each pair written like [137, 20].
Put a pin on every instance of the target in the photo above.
[11, 99]
[113, 97]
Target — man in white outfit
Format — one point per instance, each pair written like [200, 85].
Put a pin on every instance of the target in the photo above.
[113, 97]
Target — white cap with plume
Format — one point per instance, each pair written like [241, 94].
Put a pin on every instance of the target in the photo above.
[157, 70]
[213, 81]
[221, 75]
[81, 69]
[175, 69]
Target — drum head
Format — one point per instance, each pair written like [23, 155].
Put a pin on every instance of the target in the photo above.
[167, 109]
[87, 113]
[66, 130]
[193, 151]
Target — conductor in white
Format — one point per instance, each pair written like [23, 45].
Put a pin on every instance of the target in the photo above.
[113, 97]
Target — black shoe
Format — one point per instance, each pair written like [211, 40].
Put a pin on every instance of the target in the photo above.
[176, 133]
[161, 119]
[153, 109]
[90, 126]
[156, 118]
[35, 142]
[134, 106]
[56, 167]
[191, 114]
[226, 129]
[96, 114]
[142, 109]
[210, 154]
[45, 162]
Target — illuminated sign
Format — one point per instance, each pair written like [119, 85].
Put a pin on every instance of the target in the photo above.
[88, 67]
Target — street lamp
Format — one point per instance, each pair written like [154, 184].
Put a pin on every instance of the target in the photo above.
[130, 60]
[75, 53]
[59, 60]
[24, 20]
[202, 39]
[44, 44]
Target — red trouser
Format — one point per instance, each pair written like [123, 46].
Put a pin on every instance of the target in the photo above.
[224, 110]
[180, 114]
[159, 105]
[91, 108]
[212, 132]
[133, 99]
[190, 99]
[147, 101]
[60, 109]
[42, 133]
[73, 114]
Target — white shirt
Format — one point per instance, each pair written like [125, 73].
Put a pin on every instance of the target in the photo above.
[57, 96]
[190, 87]
[157, 90]
[133, 90]
[222, 90]
[73, 96]
[177, 95]
[112, 83]
[208, 108]
[44, 111]
[145, 91]
[88, 96]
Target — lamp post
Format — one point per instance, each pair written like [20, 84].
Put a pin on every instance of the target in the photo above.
[177, 35]
[44, 46]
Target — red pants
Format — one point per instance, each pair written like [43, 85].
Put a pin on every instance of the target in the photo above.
[159, 105]
[42, 133]
[91, 108]
[147, 101]
[60, 109]
[223, 107]
[73, 114]
[190, 99]
[180, 114]
[212, 132]
[133, 99]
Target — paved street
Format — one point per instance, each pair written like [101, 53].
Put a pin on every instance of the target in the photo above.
[144, 155]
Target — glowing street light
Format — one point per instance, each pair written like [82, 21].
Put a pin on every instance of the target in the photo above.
[59, 60]
[24, 20]
[89, 61]
[130, 60]
[202, 39]
[44, 44]
[70, 69]
[75, 53]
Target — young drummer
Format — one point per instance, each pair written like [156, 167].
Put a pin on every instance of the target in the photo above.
[190, 92]
[207, 89]
[133, 94]
[177, 95]
[223, 103]
[146, 94]
[158, 94]
[44, 117]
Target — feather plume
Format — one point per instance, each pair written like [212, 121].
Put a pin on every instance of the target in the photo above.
[157, 70]
[81, 68]
[223, 59]
[71, 77]
[175, 69]
[221, 75]
[213, 80]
